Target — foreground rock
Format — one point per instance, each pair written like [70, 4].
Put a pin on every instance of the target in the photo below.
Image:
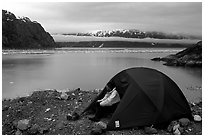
[190, 57]
[45, 113]
[23, 33]
[23, 124]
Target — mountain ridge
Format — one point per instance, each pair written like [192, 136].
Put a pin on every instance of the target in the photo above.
[134, 33]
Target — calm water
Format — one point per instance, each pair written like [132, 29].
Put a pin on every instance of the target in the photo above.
[88, 69]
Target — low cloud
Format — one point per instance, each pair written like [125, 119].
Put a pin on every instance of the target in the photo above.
[56, 17]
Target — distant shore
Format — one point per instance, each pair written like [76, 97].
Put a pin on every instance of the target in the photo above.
[111, 42]
[126, 44]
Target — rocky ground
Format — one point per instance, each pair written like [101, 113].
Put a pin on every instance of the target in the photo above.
[46, 113]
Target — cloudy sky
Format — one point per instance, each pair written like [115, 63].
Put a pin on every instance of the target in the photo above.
[66, 17]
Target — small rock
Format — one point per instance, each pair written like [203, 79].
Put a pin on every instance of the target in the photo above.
[74, 116]
[101, 124]
[171, 125]
[64, 96]
[44, 103]
[156, 59]
[66, 123]
[69, 117]
[80, 100]
[48, 109]
[18, 132]
[193, 103]
[34, 129]
[197, 118]
[189, 129]
[150, 130]
[175, 127]
[97, 131]
[60, 125]
[80, 93]
[78, 89]
[177, 132]
[184, 122]
[43, 130]
[30, 102]
[73, 94]
[19, 112]
[181, 129]
[23, 124]
[22, 99]
[15, 123]
[170, 128]
[5, 108]
[48, 119]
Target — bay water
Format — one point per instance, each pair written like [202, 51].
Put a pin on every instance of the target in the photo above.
[87, 68]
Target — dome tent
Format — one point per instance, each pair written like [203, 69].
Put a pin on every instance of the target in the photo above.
[148, 97]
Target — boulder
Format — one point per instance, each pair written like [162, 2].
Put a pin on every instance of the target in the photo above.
[23, 124]
[197, 118]
[184, 122]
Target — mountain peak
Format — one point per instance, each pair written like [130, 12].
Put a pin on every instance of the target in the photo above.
[133, 33]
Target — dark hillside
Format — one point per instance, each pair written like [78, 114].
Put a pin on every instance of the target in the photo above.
[23, 33]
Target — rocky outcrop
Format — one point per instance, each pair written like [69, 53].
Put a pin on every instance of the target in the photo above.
[190, 57]
[23, 33]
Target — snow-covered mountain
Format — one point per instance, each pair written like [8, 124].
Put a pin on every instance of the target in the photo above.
[133, 33]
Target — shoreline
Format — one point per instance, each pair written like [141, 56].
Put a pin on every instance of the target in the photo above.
[91, 50]
[47, 112]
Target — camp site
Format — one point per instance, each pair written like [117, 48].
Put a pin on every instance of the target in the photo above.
[101, 68]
